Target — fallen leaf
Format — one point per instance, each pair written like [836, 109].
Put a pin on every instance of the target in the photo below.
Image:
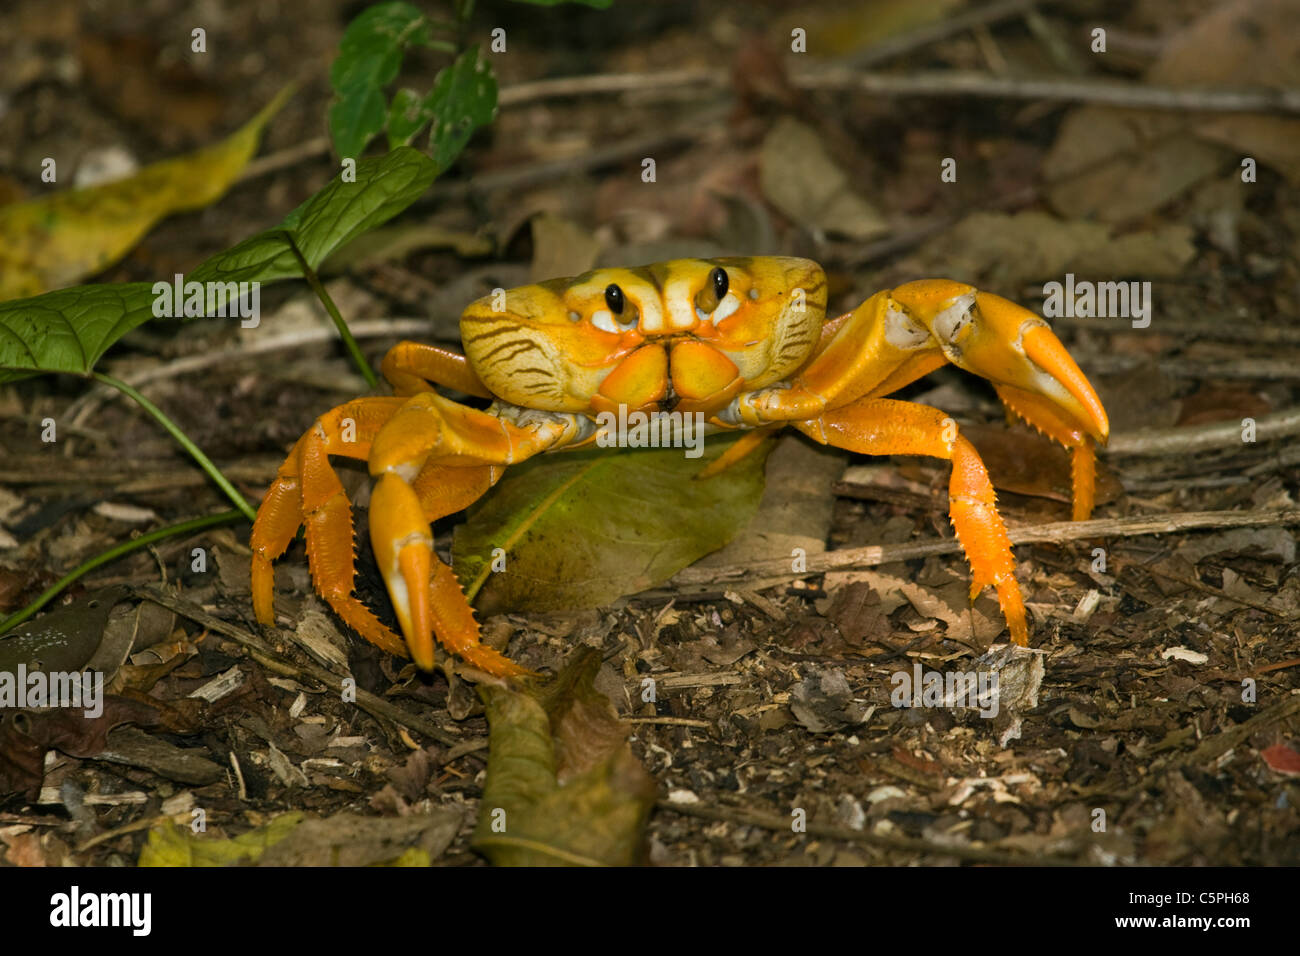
[561, 247]
[580, 530]
[64, 639]
[1025, 462]
[800, 179]
[999, 250]
[823, 702]
[171, 845]
[1116, 165]
[1282, 759]
[562, 786]
[70, 329]
[58, 239]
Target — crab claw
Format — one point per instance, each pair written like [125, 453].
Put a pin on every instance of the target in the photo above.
[403, 549]
[1004, 342]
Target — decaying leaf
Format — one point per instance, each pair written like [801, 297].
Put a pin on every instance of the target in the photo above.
[801, 180]
[26, 735]
[58, 239]
[171, 845]
[1116, 165]
[999, 250]
[1027, 463]
[562, 786]
[63, 640]
[70, 329]
[291, 839]
[580, 530]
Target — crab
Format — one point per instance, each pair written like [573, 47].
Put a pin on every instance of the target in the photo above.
[740, 343]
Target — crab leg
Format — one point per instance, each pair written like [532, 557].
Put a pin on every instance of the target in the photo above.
[882, 426]
[899, 335]
[435, 457]
[1032, 372]
[411, 368]
[307, 491]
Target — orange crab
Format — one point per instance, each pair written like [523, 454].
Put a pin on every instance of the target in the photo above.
[744, 342]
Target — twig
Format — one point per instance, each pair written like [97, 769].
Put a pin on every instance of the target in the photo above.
[1213, 436]
[87, 404]
[174, 430]
[1056, 532]
[669, 721]
[1214, 747]
[961, 83]
[740, 816]
[1247, 369]
[367, 701]
[345, 333]
[112, 554]
[936, 83]
[1216, 592]
[283, 159]
[1219, 326]
[129, 477]
[932, 32]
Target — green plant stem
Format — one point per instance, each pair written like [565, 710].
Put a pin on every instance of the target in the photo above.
[112, 554]
[354, 350]
[174, 430]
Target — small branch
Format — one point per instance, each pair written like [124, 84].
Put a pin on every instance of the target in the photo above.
[259, 650]
[83, 407]
[112, 554]
[1214, 436]
[960, 83]
[740, 816]
[1057, 532]
[1214, 747]
[1246, 369]
[354, 350]
[936, 83]
[933, 32]
[285, 158]
[174, 430]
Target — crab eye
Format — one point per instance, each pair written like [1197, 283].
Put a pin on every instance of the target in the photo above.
[614, 298]
[720, 281]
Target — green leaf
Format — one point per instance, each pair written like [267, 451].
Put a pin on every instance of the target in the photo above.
[385, 185]
[70, 329]
[171, 845]
[406, 117]
[585, 528]
[55, 240]
[562, 786]
[463, 98]
[370, 55]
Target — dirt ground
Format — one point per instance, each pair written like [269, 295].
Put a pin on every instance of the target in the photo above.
[1164, 724]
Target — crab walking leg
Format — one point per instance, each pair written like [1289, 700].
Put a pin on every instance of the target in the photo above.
[1083, 461]
[1033, 373]
[306, 490]
[882, 426]
[411, 367]
[427, 432]
[747, 443]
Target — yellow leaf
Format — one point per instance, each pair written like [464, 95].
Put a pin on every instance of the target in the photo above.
[56, 240]
[170, 845]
